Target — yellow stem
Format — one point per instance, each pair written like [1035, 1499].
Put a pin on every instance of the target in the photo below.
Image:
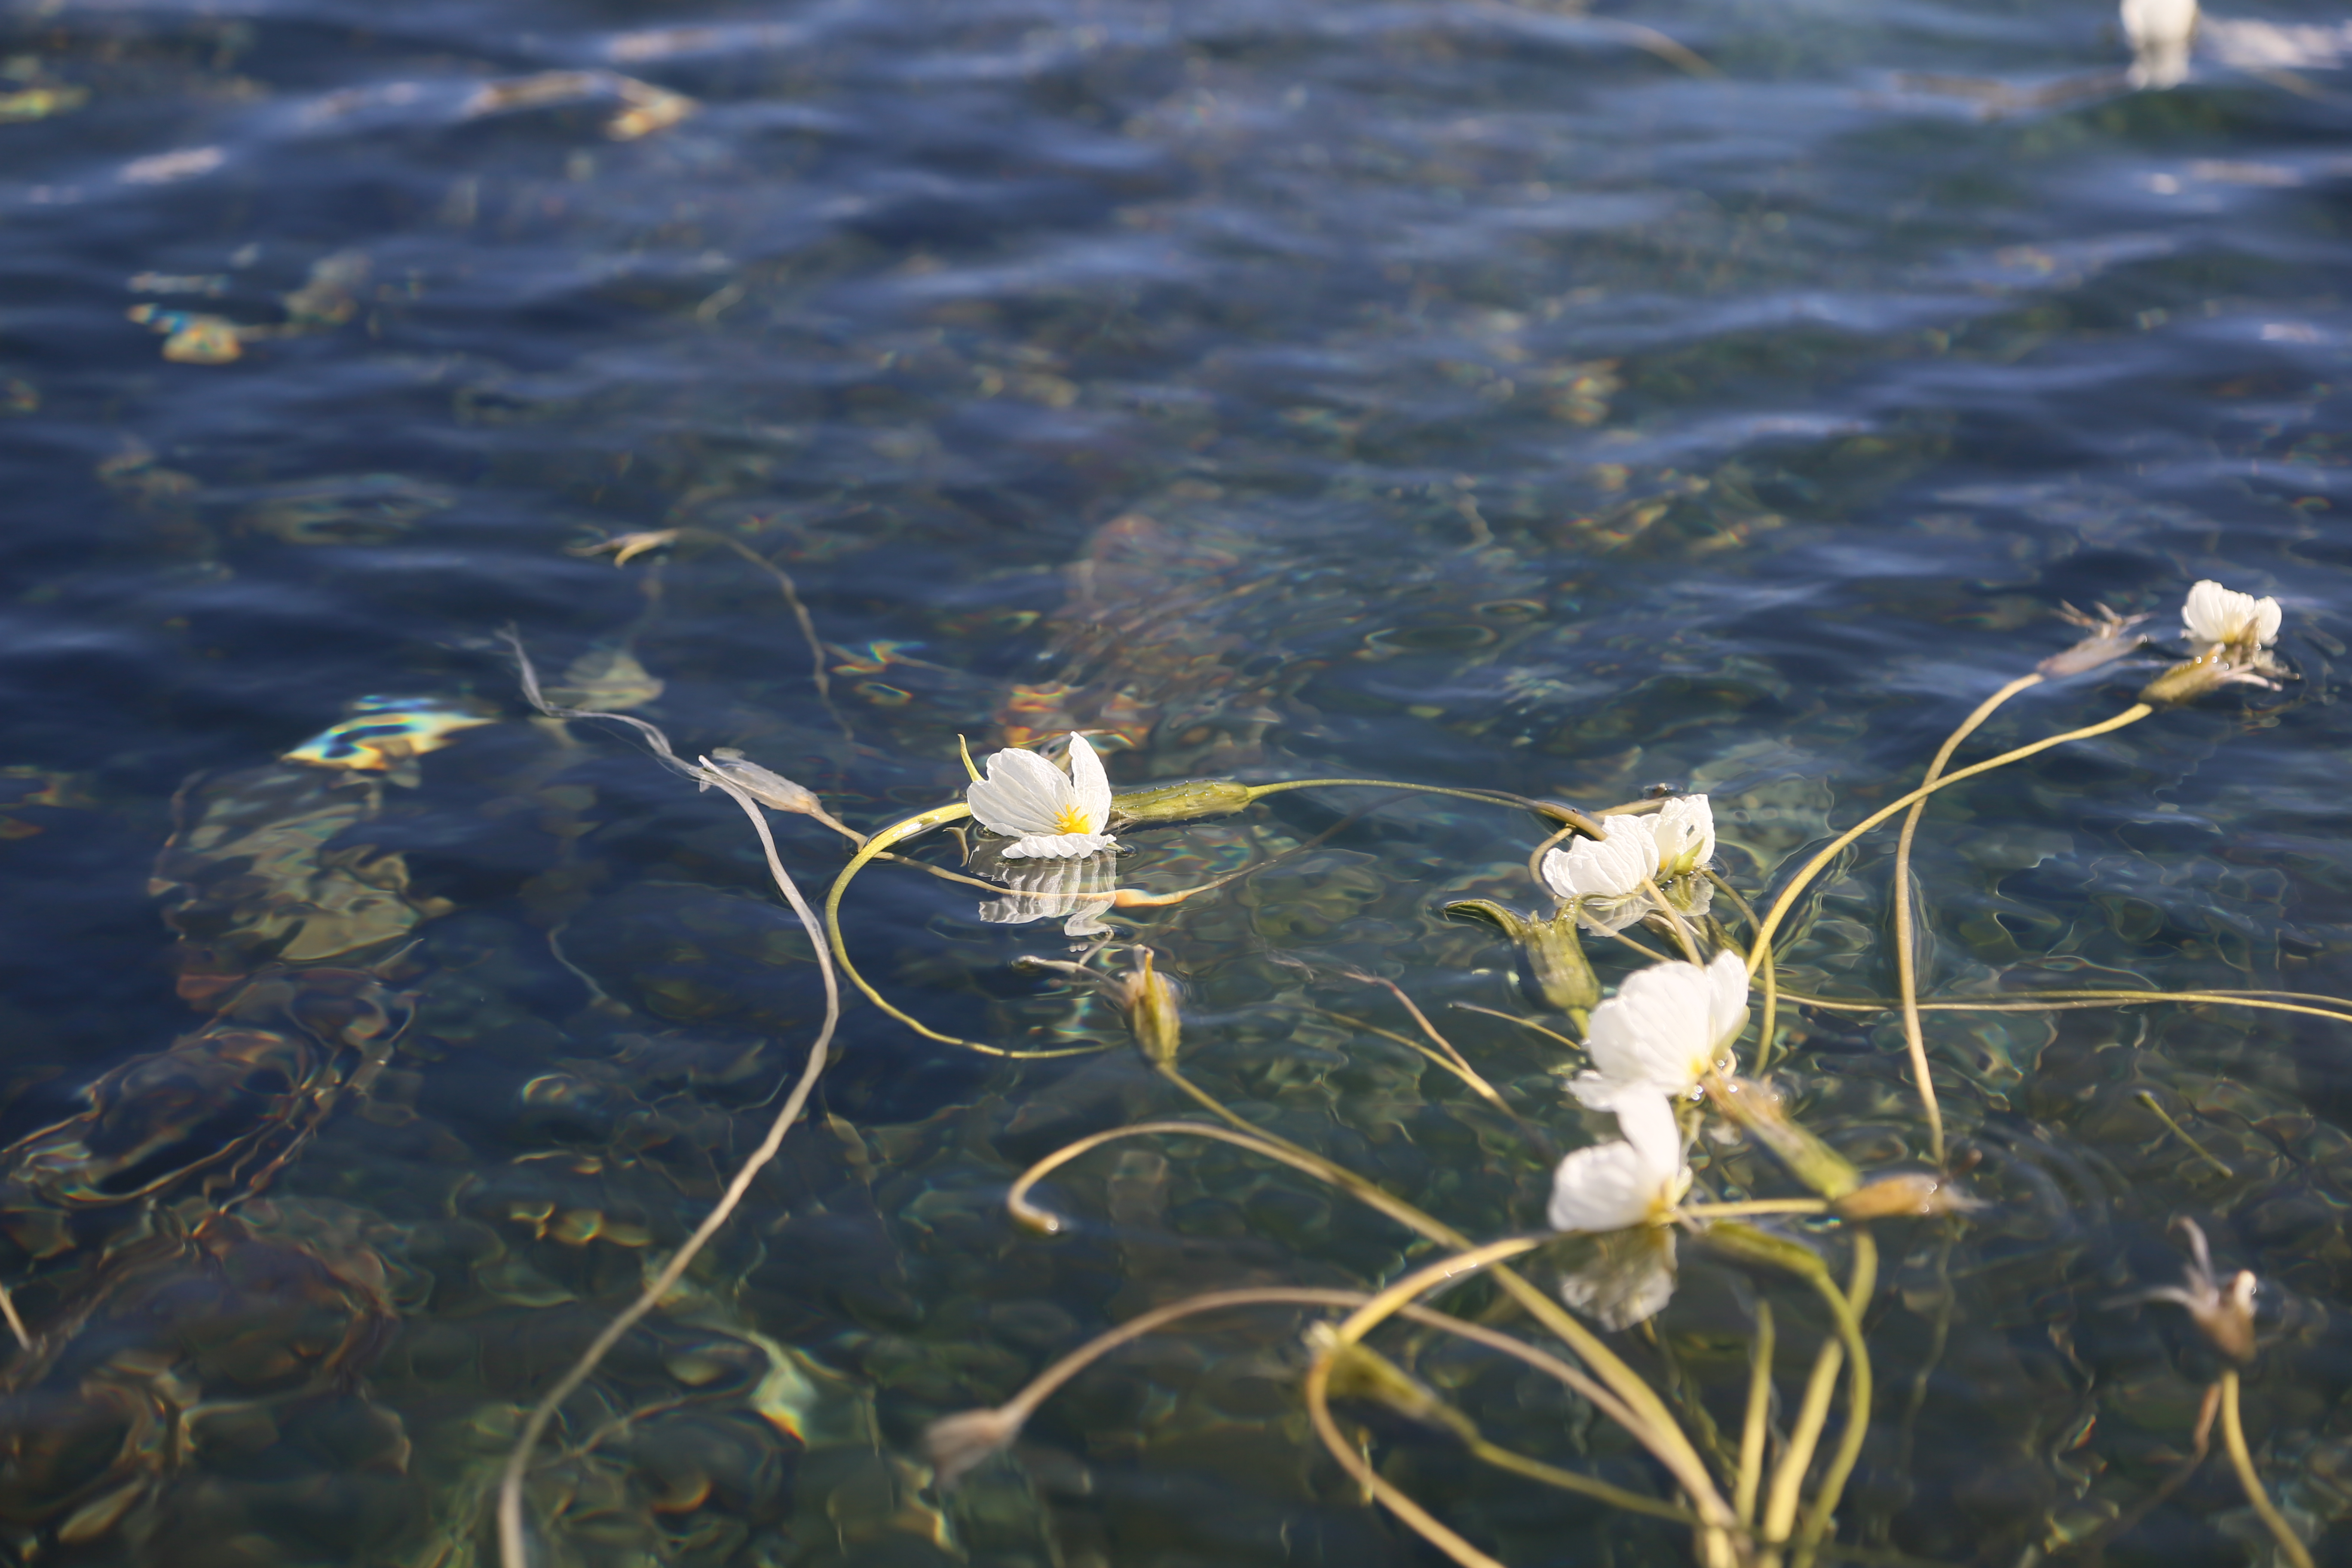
[1523, 1023]
[2145, 1098]
[1682, 935]
[2233, 1435]
[1906, 977]
[1858, 1395]
[1759, 1410]
[2076, 1001]
[2131, 715]
[898, 833]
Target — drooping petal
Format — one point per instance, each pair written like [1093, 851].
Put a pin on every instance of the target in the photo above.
[1089, 785]
[1603, 868]
[1647, 1119]
[2205, 616]
[1023, 793]
[1058, 846]
[2266, 621]
[1684, 831]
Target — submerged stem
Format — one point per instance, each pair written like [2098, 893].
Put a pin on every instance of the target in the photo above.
[1906, 979]
[513, 1551]
[1759, 1416]
[2234, 1437]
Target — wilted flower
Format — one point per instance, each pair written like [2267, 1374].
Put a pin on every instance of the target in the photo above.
[1626, 1189]
[1149, 999]
[1906, 1193]
[1668, 1026]
[2111, 639]
[1553, 970]
[1604, 875]
[2159, 32]
[959, 1444]
[1076, 892]
[2226, 1317]
[1048, 814]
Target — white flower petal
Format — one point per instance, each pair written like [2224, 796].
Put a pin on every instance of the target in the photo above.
[2266, 622]
[1606, 1187]
[1666, 1024]
[1023, 793]
[1605, 868]
[2214, 615]
[1089, 785]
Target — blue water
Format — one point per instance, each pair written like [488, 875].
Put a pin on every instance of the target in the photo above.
[1710, 395]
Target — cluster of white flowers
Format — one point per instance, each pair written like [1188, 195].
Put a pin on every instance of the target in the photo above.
[1654, 1043]
[1608, 879]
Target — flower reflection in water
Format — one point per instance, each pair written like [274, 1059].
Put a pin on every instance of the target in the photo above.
[1076, 892]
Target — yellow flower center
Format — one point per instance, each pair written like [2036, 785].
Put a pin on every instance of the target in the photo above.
[1071, 819]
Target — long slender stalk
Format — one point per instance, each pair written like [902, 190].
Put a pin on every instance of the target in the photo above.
[2234, 1437]
[1643, 1414]
[1906, 978]
[2078, 1000]
[2131, 715]
[1759, 1415]
[1847, 1309]
[513, 1549]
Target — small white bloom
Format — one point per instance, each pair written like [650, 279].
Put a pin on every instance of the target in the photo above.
[1668, 1027]
[1076, 892]
[1047, 815]
[2216, 618]
[1607, 867]
[1635, 1180]
[1605, 875]
[2159, 33]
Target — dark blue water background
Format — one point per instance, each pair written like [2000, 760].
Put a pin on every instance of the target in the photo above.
[1718, 394]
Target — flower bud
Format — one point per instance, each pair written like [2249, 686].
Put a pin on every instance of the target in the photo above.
[1904, 1193]
[1179, 802]
[1759, 1109]
[1553, 970]
[769, 789]
[1150, 1000]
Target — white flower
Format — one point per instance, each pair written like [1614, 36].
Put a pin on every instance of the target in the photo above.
[1046, 815]
[1684, 832]
[1668, 1026]
[1605, 875]
[1607, 868]
[1634, 1180]
[2159, 32]
[1076, 892]
[2216, 618]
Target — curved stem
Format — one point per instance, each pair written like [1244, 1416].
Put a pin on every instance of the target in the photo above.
[898, 833]
[2076, 1001]
[1847, 1309]
[1906, 979]
[2234, 1437]
[2131, 715]
[512, 1545]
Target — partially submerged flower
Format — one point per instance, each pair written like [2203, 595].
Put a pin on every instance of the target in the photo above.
[1553, 970]
[1634, 1180]
[1604, 877]
[1668, 1026]
[2159, 32]
[1626, 1190]
[2111, 639]
[1048, 814]
[1076, 892]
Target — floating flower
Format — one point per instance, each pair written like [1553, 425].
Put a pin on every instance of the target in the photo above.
[2159, 32]
[2216, 618]
[1047, 815]
[1604, 877]
[1668, 1026]
[1076, 892]
[1626, 1189]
